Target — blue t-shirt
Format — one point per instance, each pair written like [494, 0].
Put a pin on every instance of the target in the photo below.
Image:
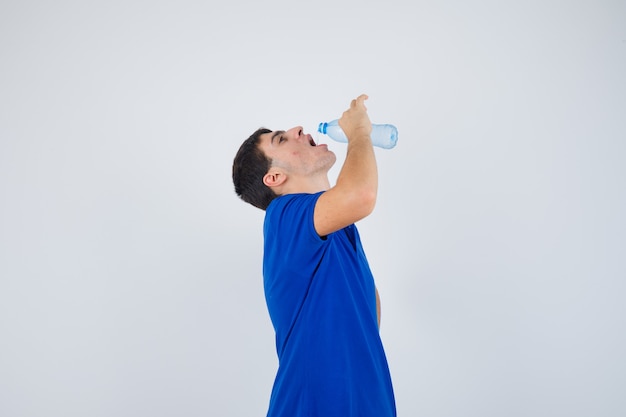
[321, 299]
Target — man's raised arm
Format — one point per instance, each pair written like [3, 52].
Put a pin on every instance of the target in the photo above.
[354, 195]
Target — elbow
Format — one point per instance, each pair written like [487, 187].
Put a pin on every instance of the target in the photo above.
[365, 201]
[355, 200]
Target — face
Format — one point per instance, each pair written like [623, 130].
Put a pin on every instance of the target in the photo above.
[296, 152]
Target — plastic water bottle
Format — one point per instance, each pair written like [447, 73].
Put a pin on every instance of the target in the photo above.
[383, 136]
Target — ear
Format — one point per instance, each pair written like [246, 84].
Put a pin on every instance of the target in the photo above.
[274, 178]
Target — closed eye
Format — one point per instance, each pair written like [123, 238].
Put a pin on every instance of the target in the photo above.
[278, 134]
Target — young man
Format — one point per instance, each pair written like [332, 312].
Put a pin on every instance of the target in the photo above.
[319, 289]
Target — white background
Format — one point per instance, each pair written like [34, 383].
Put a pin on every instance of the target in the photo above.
[130, 273]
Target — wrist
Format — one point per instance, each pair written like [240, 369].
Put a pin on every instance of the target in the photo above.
[359, 134]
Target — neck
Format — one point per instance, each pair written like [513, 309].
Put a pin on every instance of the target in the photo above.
[309, 185]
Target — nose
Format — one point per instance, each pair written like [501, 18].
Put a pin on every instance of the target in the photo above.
[295, 132]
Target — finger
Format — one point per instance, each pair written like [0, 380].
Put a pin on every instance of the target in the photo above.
[361, 100]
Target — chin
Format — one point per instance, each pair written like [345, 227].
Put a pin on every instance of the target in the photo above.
[332, 158]
[326, 163]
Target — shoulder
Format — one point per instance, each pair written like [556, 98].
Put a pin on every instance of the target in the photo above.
[291, 212]
[291, 204]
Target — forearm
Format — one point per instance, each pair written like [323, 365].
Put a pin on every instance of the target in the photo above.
[359, 173]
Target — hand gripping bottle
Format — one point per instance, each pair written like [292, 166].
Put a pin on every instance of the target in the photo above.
[383, 136]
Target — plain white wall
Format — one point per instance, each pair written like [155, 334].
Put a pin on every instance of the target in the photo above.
[130, 274]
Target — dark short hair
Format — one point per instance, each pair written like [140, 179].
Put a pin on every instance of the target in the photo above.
[249, 167]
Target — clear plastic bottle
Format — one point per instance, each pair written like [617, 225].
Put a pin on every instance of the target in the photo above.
[383, 136]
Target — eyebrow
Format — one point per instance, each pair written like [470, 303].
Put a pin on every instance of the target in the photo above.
[277, 133]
